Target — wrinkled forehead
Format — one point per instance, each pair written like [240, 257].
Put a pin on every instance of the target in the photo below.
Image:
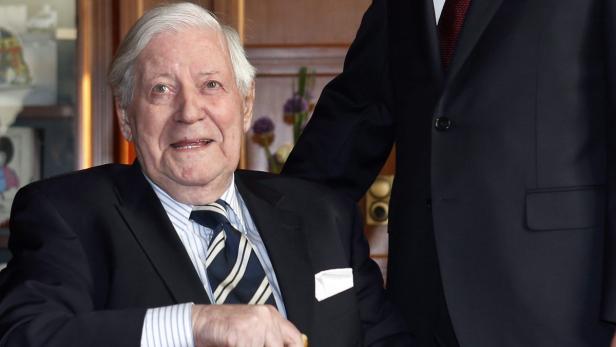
[189, 48]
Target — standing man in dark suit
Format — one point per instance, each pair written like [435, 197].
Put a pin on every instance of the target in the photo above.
[116, 255]
[502, 223]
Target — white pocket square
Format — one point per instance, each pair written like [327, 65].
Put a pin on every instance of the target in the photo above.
[328, 283]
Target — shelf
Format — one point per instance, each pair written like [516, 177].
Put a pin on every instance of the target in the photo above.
[47, 112]
[4, 238]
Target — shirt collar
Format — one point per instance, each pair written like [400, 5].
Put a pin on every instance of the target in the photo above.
[230, 197]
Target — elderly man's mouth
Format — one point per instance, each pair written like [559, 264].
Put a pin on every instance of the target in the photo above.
[191, 144]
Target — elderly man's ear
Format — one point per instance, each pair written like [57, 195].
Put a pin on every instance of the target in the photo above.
[249, 101]
[123, 121]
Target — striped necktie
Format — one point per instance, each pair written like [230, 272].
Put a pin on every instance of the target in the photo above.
[233, 269]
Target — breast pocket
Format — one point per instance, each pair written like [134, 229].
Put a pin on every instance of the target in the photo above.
[565, 208]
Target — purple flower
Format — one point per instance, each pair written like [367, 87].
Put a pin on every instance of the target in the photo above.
[295, 104]
[263, 125]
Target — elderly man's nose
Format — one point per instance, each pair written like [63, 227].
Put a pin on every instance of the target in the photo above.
[191, 108]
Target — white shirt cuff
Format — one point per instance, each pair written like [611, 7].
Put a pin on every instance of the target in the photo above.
[169, 326]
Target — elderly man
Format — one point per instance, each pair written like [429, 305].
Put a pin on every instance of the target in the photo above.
[117, 255]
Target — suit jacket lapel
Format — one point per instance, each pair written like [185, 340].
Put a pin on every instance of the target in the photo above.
[148, 221]
[433, 39]
[477, 19]
[415, 24]
[286, 247]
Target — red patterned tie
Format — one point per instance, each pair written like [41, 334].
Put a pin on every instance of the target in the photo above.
[449, 27]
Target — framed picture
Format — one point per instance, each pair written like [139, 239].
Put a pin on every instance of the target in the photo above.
[19, 165]
[28, 59]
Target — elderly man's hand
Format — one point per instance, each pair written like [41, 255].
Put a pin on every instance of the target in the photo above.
[242, 325]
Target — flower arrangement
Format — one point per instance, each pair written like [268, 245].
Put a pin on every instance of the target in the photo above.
[296, 111]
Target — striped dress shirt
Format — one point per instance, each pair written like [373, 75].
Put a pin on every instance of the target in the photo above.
[438, 8]
[172, 325]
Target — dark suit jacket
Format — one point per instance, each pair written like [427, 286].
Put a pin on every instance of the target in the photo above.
[521, 188]
[94, 249]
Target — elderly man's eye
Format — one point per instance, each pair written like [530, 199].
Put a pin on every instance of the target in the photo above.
[212, 84]
[160, 89]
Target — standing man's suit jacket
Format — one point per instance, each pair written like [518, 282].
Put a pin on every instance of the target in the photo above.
[94, 249]
[517, 191]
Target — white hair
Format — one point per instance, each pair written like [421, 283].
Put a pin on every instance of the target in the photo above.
[173, 18]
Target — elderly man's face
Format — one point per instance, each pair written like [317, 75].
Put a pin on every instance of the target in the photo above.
[187, 117]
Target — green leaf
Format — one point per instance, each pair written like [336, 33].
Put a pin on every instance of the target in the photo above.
[301, 80]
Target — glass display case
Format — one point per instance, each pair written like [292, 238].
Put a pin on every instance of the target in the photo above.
[38, 96]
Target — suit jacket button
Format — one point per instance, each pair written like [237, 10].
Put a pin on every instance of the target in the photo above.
[442, 123]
